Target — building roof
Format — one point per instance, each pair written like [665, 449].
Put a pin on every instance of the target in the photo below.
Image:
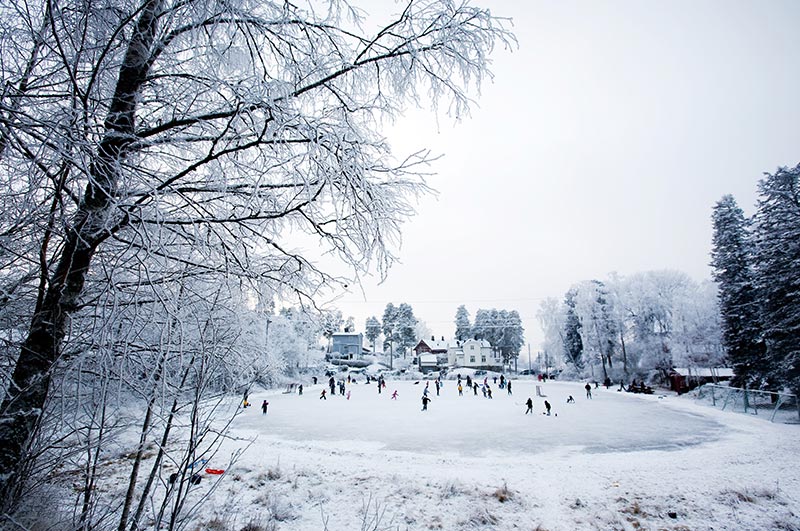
[428, 359]
[436, 345]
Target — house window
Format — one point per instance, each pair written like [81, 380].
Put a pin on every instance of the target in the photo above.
[472, 359]
[483, 359]
[472, 347]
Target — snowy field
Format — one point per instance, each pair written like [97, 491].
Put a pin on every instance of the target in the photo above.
[617, 461]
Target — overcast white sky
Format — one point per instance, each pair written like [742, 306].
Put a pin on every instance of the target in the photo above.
[601, 145]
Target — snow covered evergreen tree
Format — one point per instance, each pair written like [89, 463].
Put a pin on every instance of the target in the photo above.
[731, 258]
[406, 326]
[573, 344]
[390, 333]
[463, 326]
[512, 335]
[777, 240]
[399, 327]
[331, 323]
[372, 329]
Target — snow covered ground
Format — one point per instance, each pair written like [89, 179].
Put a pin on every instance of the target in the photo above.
[617, 461]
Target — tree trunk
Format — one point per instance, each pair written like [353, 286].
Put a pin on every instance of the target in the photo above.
[22, 408]
[624, 354]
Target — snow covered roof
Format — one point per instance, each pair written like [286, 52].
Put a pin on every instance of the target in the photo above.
[428, 359]
[705, 372]
[434, 344]
[481, 342]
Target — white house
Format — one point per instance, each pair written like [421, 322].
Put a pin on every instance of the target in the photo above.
[473, 353]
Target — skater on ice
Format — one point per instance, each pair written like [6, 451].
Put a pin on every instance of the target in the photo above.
[425, 401]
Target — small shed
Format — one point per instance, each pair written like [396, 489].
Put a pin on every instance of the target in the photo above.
[683, 379]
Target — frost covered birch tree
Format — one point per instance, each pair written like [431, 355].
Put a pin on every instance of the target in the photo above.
[205, 135]
[593, 306]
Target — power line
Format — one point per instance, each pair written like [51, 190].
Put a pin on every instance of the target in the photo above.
[444, 301]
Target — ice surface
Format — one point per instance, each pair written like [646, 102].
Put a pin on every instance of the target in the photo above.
[618, 461]
[473, 425]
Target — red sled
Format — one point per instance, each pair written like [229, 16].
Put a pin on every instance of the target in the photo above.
[216, 471]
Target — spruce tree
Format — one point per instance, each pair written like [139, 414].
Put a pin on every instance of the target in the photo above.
[731, 258]
[463, 326]
[573, 345]
[372, 329]
[777, 232]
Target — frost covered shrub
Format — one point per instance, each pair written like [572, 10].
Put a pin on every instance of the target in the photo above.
[481, 518]
[503, 494]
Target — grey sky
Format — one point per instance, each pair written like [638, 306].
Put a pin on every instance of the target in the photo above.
[601, 146]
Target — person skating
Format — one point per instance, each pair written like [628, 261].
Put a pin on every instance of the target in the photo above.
[425, 401]
[322, 395]
[529, 403]
[475, 388]
[570, 400]
[588, 390]
[264, 405]
[489, 392]
[394, 395]
[460, 390]
[300, 389]
[508, 385]
[379, 387]
[547, 407]
[438, 386]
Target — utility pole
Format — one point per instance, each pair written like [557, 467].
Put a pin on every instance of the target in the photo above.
[391, 349]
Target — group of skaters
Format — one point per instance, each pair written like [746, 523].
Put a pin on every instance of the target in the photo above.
[340, 387]
[548, 407]
[485, 388]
